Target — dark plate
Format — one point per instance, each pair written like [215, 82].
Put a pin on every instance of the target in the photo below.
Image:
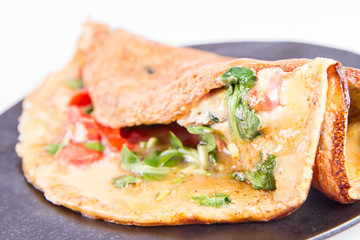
[25, 214]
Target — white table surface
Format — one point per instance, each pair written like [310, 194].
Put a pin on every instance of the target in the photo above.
[39, 37]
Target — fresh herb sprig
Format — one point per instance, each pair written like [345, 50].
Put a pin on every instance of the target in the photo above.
[53, 148]
[158, 164]
[123, 181]
[95, 145]
[217, 200]
[243, 121]
[261, 177]
[152, 167]
[75, 84]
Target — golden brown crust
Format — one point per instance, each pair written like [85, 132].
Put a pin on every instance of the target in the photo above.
[330, 175]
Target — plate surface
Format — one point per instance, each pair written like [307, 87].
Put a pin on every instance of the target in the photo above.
[25, 214]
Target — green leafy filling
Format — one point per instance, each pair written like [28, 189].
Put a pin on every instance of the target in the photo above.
[243, 121]
[123, 181]
[75, 83]
[217, 200]
[160, 163]
[152, 168]
[97, 146]
[89, 109]
[53, 148]
[213, 118]
[207, 146]
[261, 177]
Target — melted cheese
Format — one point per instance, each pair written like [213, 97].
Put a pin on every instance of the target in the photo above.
[214, 103]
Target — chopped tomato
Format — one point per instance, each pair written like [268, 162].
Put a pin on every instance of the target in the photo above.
[92, 131]
[111, 137]
[81, 98]
[261, 101]
[265, 95]
[78, 155]
[221, 144]
[82, 122]
[75, 114]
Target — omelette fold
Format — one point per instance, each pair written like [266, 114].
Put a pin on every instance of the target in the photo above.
[136, 132]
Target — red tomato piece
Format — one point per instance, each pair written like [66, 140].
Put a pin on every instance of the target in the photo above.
[75, 114]
[265, 95]
[92, 131]
[78, 155]
[81, 98]
[77, 117]
[261, 102]
[265, 99]
[111, 137]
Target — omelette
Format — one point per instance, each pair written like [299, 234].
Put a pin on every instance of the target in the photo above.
[136, 132]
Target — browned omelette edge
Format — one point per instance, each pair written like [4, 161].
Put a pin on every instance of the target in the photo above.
[330, 175]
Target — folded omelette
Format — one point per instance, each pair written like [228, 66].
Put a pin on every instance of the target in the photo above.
[136, 132]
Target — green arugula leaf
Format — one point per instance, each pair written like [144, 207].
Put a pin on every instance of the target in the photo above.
[207, 145]
[217, 200]
[153, 159]
[212, 157]
[239, 176]
[75, 83]
[123, 181]
[175, 141]
[247, 122]
[153, 177]
[97, 146]
[239, 75]
[213, 118]
[243, 122]
[158, 164]
[52, 148]
[89, 110]
[128, 157]
[209, 141]
[203, 156]
[200, 129]
[262, 176]
[169, 157]
[149, 143]
[131, 162]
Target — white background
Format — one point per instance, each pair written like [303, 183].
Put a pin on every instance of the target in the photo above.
[39, 37]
